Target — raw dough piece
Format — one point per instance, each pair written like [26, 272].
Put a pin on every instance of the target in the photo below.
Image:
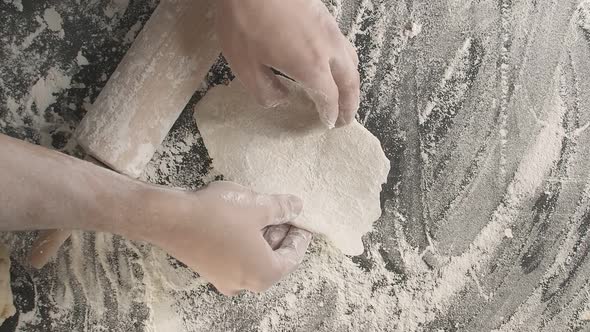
[6, 306]
[338, 173]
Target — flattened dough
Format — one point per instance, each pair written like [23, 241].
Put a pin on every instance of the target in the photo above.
[338, 173]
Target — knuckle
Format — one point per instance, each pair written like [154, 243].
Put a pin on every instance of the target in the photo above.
[331, 26]
[351, 84]
[316, 58]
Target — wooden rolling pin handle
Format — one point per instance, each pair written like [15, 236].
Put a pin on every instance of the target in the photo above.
[46, 246]
[145, 95]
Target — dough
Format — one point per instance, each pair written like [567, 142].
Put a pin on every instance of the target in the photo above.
[338, 173]
[6, 306]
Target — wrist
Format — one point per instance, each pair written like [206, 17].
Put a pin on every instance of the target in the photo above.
[153, 212]
[117, 204]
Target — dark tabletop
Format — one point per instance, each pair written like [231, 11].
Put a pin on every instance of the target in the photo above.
[481, 107]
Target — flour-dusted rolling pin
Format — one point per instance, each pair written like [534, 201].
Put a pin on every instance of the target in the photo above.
[144, 96]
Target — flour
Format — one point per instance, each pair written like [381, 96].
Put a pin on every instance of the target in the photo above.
[412, 30]
[101, 282]
[54, 21]
[44, 91]
[12, 105]
[116, 8]
[18, 4]
[337, 173]
[28, 40]
[81, 59]
[508, 233]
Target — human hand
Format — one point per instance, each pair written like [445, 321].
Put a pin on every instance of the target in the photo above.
[299, 38]
[235, 238]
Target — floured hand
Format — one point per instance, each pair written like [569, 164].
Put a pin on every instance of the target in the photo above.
[235, 238]
[299, 38]
[219, 231]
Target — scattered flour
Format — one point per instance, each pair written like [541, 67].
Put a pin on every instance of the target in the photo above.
[450, 73]
[508, 233]
[54, 21]
[12, 104]
[412, 30]
[81, 59]
[329, 292]
[18, 4]
[116, 8]
[44, 91]
[28, 40]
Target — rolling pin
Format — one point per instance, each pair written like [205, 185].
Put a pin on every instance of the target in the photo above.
[144, 96]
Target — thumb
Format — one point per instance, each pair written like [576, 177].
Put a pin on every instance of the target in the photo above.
[283, 208]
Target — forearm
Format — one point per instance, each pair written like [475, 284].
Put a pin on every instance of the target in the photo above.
[44, 189]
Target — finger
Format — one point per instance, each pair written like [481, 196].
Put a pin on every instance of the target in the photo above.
[352, 52]
[47, 245]
[281, 208]
[292, 250]
[347, 79]
[264, 267]
[324, 92]
[271, 266]
[275, 235]
[261, 82]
